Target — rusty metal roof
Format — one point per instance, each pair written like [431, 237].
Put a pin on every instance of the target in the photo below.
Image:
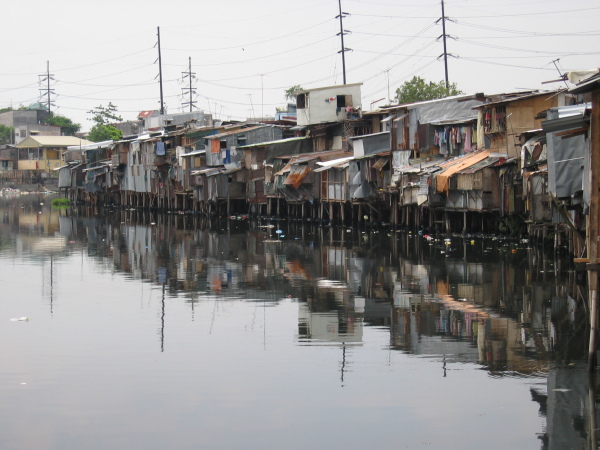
[297, 174]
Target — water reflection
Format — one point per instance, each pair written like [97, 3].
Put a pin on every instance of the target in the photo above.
[509, 309]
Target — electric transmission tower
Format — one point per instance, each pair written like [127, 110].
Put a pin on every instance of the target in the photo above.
[189, 91]
[46, 92]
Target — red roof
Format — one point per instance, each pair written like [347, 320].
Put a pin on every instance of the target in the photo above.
[145, 114]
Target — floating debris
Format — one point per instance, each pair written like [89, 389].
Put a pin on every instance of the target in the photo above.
[20, 319]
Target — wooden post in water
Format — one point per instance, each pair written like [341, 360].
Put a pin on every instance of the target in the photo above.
[592, 224]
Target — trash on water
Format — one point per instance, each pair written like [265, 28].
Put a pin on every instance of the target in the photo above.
[20, 319]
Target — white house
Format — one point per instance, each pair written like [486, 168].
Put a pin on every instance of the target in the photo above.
[328, 104]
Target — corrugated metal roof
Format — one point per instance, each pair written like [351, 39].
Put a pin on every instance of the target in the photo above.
[91, 146]
[145, 114]
[305, 157]
[352, 138]
[236, 131]
[420, 165]
[381, 162]
[279, 141]
[456, 165]
[324, 156]
[334, 162]
[105, 165]
[490, 161]
[52, 141]
[194, 153]
[205, 171]
[513, 97]
[340, 165]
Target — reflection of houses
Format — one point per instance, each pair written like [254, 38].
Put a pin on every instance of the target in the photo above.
[332, 315]
[461, 307]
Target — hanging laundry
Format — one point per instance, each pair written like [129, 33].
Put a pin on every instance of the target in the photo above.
[160, 148]
[468, 139]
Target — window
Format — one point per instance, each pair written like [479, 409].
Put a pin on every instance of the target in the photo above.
[302, 101]
[241, 140]
[344, 100]
[223, 145]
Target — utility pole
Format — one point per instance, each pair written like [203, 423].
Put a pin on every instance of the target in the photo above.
[262, 98]
[341, 34]
[47, 91]
[444, 36]
[387, 72]
[445, 51]
[251, 106]
[162, 104]
[190, 89]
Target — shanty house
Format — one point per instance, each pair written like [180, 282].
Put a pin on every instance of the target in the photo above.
[221, 149]
[261, 162]
[501, 119]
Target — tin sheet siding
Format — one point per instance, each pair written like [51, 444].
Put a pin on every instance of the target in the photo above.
[64, 177]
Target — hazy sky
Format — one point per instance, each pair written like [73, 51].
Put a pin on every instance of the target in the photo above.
[245, 54]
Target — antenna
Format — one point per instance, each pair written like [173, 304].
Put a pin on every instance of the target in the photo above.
[252, 106]
[562, 75]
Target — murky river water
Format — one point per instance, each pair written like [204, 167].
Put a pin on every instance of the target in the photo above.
[168, 332]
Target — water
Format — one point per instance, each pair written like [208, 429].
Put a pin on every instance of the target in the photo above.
[149, 331]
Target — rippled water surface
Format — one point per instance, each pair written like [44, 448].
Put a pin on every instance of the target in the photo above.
[129, 330]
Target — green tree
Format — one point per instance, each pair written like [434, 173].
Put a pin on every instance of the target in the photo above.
[104, 115]
[67, 126]
[100, 133]
[418, 90]
[5, 134]
[102, 130]
[292, 93]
